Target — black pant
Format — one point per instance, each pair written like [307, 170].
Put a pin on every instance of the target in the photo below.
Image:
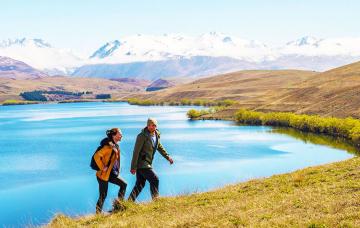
[143, 175]
[103, 189]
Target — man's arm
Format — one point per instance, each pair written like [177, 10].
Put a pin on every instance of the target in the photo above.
[137, 148]
[163, 152]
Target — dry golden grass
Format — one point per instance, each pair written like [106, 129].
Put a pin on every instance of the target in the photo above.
[11, 88]
[331, 93]
[246, 86]
[323, 196]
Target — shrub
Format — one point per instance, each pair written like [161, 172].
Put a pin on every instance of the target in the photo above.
[348, 128]
[36, 95]
[192, 114]
[185, 102]
[226, 102]
[103, 96]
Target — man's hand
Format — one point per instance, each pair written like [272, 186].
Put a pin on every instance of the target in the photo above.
[170, 160]
[133, 171]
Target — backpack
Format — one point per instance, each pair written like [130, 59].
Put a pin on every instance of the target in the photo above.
[93, 164]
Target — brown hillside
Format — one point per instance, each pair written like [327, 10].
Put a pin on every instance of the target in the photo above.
[331, 93]
[246, 86]
[252, 89]
[10, 88]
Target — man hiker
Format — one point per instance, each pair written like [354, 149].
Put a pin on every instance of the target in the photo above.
[107, 159]
[147, 142]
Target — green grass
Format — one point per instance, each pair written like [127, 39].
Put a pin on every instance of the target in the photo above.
[78, 101]
[196, 114]
[323, 196]
[319, 139]
[182, 102]
[18, 102]
[348, 128]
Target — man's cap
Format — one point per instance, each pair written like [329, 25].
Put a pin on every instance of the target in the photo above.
[152, 121]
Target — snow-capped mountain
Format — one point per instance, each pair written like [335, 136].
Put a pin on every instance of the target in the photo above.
[154, 56]
[142, 48]
[41, 55]
[306, 40]
[11, 68]
[311, 46]
[106, 50]
[152, 70]
[24, 42]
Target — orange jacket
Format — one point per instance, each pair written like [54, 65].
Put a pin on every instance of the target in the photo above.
[102, 158]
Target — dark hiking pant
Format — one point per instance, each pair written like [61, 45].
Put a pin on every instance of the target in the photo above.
[103, 189]
[143, 175]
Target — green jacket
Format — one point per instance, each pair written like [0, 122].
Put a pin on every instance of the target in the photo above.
[144, 150]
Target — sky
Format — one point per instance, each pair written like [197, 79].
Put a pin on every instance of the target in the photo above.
[85, 24]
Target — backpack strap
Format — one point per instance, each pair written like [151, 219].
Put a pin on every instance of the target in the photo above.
[112, 153]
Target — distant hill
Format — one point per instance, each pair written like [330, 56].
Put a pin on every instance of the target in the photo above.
[192, 67]
[160, 84]
[133, 81]
[10, 88]
[332, 93]
[335, 92]
[250, 87]
[11, 68]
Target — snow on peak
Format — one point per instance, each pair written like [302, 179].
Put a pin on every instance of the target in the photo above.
[172, 46]
[40, 54]
[141, 48]
[311, 46]
[306, 40]
[106, 50]
[227, 39]
[23, 42]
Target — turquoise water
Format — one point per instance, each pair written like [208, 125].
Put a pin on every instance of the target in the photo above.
[46, 149]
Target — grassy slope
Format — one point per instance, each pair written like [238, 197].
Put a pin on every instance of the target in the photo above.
[331, 93]
[247, 86]
[11, 88]
[335, 92]
[323, 196]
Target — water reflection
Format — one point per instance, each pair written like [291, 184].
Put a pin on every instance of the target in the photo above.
[319, 139]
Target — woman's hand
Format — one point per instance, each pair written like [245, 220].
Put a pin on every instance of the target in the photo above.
[105, 169]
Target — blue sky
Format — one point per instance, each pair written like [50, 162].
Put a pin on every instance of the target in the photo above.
[82, 24]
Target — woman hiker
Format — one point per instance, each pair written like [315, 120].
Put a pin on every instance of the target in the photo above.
[108, 160]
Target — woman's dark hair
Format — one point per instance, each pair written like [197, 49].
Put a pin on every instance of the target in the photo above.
[110, 133]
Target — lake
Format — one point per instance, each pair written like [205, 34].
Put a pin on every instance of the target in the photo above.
[46, 150]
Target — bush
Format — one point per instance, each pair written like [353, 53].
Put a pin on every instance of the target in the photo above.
[18, 102]
[192, 114]
[136, 101]
[103, 96]
[348, 128]
[36, 95]
[226, 102]
[185, 102]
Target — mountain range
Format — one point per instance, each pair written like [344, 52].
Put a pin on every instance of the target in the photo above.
[151, 57]
[11, 68]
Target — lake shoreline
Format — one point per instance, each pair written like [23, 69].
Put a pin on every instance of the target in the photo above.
[319, 196]
[297, 178]
[260, 134]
